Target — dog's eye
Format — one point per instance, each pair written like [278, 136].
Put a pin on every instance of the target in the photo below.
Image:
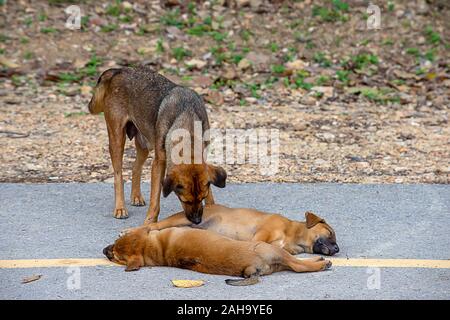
[179, 187]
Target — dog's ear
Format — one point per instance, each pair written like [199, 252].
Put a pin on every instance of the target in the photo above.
[167, 186]
[312, 219]
[134, 264]
[217, 176]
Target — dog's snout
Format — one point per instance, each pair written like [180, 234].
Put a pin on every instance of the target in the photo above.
[196, 219]
[108, 251]
[336, 248]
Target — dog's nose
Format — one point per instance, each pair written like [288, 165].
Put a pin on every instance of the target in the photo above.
[196, 219]
[108, 251]
[336, 248]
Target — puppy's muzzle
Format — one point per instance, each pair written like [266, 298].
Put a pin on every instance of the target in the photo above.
[108, 252]
[324, 246]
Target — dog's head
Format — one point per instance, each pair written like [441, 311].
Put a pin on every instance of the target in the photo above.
[191, 184]
[128, 249]
[320, 237]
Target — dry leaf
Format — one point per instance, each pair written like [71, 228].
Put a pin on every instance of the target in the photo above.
[8, 63]
[32, 278]
[188, 283]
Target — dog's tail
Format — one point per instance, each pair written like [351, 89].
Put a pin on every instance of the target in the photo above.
[243, 282]
[96, 105]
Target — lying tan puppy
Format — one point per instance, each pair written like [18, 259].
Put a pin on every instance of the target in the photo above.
[312, 236]
[207, 252]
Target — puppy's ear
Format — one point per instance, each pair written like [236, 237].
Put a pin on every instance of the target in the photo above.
[167, 186]
[312, 219]
[217, 176]
[134, 264]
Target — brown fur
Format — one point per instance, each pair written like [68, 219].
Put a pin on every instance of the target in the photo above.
[312, 236]
[207, 252]
[145, 106]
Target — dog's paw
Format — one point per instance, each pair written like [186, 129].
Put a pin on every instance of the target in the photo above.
[138, 201]
[124, 232]
[327, 265]
[120, 213]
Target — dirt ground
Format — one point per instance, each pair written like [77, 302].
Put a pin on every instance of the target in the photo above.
[352, 104]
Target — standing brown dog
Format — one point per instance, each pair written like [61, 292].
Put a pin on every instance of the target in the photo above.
[144, 105]
[206, 251]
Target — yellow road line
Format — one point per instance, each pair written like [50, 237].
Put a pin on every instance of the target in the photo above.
[337, 262]
[391, 263]
[47, 263]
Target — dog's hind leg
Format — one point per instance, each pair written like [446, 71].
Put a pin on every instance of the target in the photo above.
[116, 134]
[141, 155]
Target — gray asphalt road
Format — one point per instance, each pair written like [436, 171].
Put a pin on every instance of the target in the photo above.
[371, 221]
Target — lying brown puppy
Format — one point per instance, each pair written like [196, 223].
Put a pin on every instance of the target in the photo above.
[207, 252]
[312, 236]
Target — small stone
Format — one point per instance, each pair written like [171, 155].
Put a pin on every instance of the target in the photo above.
[85, 90]
[244, 64]
[326, 136]
[214, 97]
[327, 92]
[296, 65]
[196, 63]
[229, 74]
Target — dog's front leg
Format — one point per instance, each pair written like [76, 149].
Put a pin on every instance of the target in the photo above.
[158, 171]
[116, 136]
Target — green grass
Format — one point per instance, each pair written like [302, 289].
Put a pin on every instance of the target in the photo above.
[113, 10]
[364, 59]
[28, 21]
[378, 95]
[342, 76]
[198, 30]
[28, 55]
[48, 30]
[68, 77]
[322, 80]
[274, 47]
[321, 59]
[109, 27]
[179, 53]
[172, 18]
[413, 51]
[391, 6]
[432, 36]
[75, 114]
[245, 35]
[159, 46]
[42, 17]
[278, 69]
[335, 13]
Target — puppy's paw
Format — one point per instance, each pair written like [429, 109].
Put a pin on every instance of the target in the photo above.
[328, 264]
[137, 201]
[120, 213]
